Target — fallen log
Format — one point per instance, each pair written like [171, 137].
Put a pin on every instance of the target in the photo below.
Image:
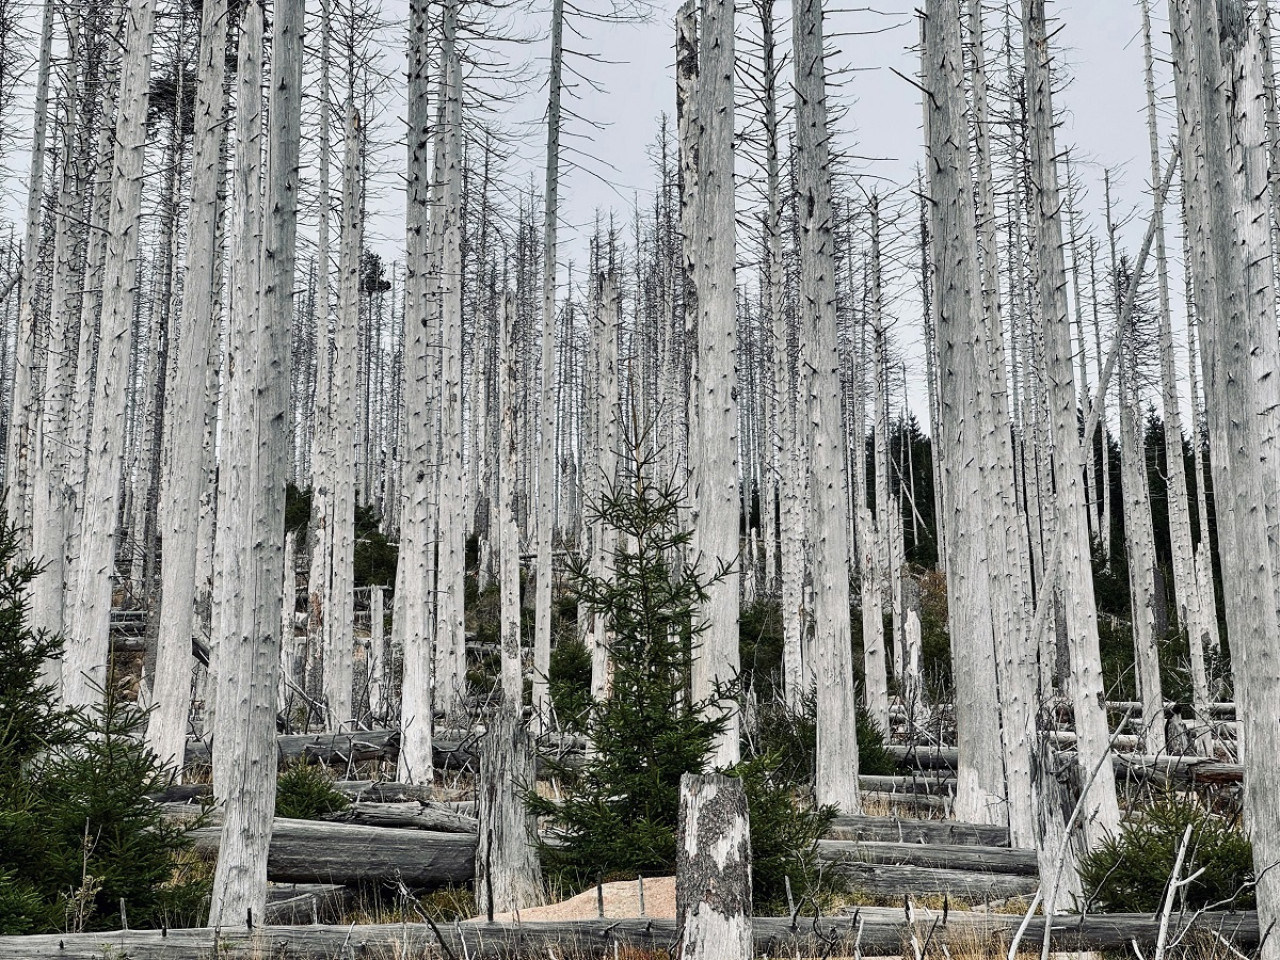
[1184, 770]
[312, 851]
[927, 784]
[900, 830]
[944, 856]
[407, 815]
[877, 933]
[324, 747]
[294, 903]
[375, 791]
[920, 757]
[894, 880]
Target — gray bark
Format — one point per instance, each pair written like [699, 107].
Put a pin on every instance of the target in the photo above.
[713, 868]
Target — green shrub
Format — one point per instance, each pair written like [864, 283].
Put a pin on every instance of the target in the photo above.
[790, 735]
[305, 792]
[569, 682]
[78, 834]
[784, 836]
[1128, 873]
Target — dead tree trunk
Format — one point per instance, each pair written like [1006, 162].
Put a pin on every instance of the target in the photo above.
[508, 875]
[713, 869]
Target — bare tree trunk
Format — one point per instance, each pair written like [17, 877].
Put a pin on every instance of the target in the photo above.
[256, 469]
[85, 658]
[188, 409]
[607, 407]
[963, 363]
[508, 531]
[450, 663]
[714, 465]
[1101, 811]
[508, 874]
[837, 758]
[1218, 70]
[713, 869]
[547, 429]
[872, 529]
[320, 527]
[414, 596]
[1185, 584]
[339, 602]
[23, 402]
[53, 499]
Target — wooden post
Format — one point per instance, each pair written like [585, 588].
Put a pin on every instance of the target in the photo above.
[713, 869]
[508, 875]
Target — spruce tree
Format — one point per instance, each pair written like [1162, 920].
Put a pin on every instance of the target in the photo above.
[619, 817]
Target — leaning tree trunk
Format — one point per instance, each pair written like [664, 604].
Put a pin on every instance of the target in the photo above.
[187, 409]
[85, 657]
[837, 758]
[255, 468]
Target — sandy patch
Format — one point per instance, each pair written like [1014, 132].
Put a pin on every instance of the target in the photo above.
[621, 900]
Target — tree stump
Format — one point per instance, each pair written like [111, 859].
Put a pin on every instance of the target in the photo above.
[713, 869]
[508, 873]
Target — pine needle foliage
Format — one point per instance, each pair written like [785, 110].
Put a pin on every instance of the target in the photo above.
[305, 792]
[620, 815]
[78, 834]
[1129, 873]
[620, 818]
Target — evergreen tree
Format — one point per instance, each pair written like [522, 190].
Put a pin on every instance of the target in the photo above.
[78, 834]
[620, 816]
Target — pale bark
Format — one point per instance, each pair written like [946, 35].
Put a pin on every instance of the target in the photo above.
[1101, 812]
[963, 362]
[344, 436]
[23, 403]
[713, 869]
[607, 407]
[714, 461]
[837, 756]
[53, 498]
[1139, 537]
[546, 519]
[188, 410]
[450, 663]
[508, 531]
[1218, 69]
[1186, 587]
[414, 597]
[378, 657]
[508, 874]
[320, 526]
[873, 531]
[256, 468]
[94, 568]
